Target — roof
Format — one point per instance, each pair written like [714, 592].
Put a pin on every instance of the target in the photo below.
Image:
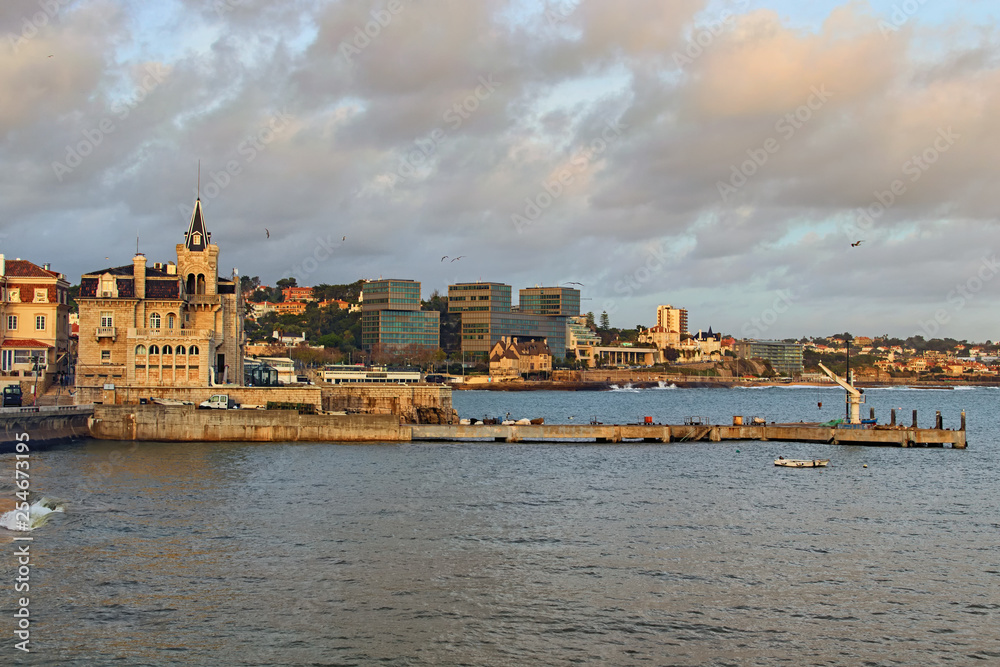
[22, 268]
[129, 270]
[25, 342]
[197, 236]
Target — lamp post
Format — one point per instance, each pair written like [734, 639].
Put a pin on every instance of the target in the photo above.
[34, 387]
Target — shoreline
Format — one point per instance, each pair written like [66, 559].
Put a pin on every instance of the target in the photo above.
[700, 383]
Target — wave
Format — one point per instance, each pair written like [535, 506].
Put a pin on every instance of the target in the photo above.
[38, 514]
[627, 388]
[664, 385]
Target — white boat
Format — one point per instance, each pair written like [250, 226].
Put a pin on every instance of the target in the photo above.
[801, 463]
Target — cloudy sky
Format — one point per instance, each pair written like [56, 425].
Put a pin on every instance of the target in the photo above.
[716, 156]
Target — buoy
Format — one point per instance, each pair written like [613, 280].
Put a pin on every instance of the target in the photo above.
[737, 451]
[865, 465]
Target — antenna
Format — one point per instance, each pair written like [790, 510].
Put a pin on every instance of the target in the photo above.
[199, 179]
[137, 244]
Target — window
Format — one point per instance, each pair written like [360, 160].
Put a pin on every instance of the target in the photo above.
[41, 296]
[154, 320]
[14, 295]
[107, 319]
[12, 322]
[170, 320]
[154, 349]
[105, 356]
[140, 350]
[39, 323]
[167, 349]
[180, 349]
[193, 350]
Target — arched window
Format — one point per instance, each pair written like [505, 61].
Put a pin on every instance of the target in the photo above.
[140, 350]
[201, 283]
[154, 320]
[167, 349]
[193, 351]
[170, 320]
[154, 349]
[190, 283]
[180, 349]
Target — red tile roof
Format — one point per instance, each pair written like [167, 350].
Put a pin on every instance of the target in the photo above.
[22, 268]
[26, 342]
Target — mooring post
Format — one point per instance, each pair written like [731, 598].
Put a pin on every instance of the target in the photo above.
[963, 420]
[938, 424]
[914, 419]
[871, 413]
[892, 418]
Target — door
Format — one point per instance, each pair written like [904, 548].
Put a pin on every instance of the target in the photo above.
[220, 369]
[8, 360]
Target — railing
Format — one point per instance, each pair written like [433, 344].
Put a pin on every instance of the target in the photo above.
[171, 333]
[106, 332]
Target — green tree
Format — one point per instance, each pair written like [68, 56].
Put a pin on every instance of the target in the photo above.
[605, 321]
[286, 282]
[590, 320]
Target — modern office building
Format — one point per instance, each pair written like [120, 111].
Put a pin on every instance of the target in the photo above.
[785, 358]
[550, 301]
[487, 317]
[391, 316]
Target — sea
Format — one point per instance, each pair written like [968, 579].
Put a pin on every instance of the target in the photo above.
[489, 553]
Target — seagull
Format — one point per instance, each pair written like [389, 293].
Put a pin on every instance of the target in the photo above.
[855, 245]
[458, 258]
[580, 284]
[444, 258]
[343, 239]
[267, 232]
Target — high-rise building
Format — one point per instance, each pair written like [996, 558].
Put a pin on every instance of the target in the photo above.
[785, 358]
[550, 301]
[672, 319]
[487, 317]
[391, 316]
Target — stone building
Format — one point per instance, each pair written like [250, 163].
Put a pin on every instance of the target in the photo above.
[510, 357]
[173, 324]
[34, 324]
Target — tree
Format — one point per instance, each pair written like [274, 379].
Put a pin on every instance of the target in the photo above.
[605, 321]
[590, 320]
[250, 284]
[286, 282]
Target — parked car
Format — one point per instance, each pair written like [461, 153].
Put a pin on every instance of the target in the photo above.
[12, 396]
[220, 402]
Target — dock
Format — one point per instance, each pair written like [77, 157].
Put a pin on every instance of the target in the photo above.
[884, 436]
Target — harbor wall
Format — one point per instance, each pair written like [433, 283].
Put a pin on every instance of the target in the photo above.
[188, 424]
[243, 395]
[44, 425]
[413, 403]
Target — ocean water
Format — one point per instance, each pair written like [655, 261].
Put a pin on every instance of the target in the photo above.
[516, 554]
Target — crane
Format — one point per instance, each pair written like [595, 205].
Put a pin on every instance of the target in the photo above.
[854, 396]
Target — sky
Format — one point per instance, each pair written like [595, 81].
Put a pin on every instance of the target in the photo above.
[726, 157]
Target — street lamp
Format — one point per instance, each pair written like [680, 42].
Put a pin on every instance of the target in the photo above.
[34, 389]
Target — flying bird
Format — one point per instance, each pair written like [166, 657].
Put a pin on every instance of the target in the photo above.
[267, 232]
[580, 284]
[458, 258]
[855, 245]
[444, 258]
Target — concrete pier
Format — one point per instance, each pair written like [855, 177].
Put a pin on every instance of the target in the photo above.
[874, 436]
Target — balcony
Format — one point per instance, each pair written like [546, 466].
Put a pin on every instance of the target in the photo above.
[106, 332]
[141, 332]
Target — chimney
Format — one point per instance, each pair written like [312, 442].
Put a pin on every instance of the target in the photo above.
[171, 269]
[139, 272]
[47, 266]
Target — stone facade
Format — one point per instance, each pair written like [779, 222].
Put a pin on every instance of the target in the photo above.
[170, 325]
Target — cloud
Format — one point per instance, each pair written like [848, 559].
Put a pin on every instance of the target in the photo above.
[393, 140]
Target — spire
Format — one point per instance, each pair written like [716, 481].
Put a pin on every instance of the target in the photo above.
[197, 237]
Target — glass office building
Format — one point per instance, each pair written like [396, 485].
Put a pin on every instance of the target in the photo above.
[487, 316]
[550, 301]
[785, 358]
[391, 316]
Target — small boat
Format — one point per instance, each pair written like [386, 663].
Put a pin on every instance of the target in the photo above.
[801, 463]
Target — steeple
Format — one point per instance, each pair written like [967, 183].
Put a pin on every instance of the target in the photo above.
[197, 237]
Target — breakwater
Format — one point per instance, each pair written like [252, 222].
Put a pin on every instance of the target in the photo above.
[44, 425]
[187, 424]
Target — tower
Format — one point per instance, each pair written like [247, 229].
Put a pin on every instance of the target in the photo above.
[198, 257]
